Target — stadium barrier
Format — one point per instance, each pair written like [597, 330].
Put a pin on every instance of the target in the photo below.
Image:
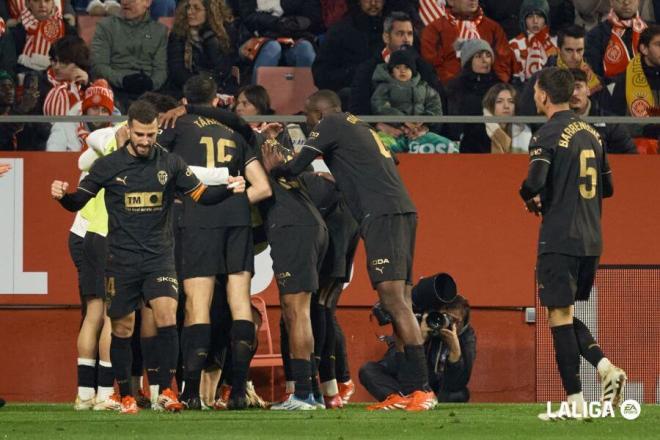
[472, 225]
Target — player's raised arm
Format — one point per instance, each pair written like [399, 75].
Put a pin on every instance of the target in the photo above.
[71, 202]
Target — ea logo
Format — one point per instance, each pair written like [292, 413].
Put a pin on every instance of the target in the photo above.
[630, 409]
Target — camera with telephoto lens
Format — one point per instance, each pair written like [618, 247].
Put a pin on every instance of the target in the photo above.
[437, 321]
[428, 295]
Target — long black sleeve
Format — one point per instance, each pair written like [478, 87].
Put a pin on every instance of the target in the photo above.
[535, 181]
[297, 165]
[228, 118]
[457, 374]
[214, 194]
[75, 201]
[608, 185]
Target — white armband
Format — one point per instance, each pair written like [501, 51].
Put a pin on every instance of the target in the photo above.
[211, 176]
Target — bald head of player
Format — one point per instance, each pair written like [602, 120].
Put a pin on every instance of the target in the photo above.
[321, 104]
[553, 90]
[142, 128]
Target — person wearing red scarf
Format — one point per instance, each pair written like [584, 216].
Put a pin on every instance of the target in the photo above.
[534, 45]
[613, 42]
[464, 20]
[40, 26]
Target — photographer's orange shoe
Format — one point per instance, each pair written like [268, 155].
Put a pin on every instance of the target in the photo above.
[421, 401]
[392, 402]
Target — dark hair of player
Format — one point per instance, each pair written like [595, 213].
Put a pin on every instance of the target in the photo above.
[557, 83]
[648, 34]
[573, 31]
[200, 89]
[162, 103]
[578, 75]
[142, 111]
[258, 97]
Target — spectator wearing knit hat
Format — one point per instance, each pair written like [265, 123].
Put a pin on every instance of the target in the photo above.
[399, 90]
[611, 44]
[506, 13]
[70, 136]
[534, 45]
[466, 92]
[464, 20]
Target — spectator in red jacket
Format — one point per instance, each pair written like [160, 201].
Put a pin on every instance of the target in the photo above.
[464, 20]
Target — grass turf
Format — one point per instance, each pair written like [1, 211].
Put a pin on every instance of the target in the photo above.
[484, 421]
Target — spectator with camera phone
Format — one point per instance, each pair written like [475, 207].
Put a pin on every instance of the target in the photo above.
[449, 344]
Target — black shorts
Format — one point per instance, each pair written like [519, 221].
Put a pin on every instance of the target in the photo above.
[127, 290]
[344, 236]
[389, 241]
[297, 253]
[92, 273]
[76, 244]
[564, 279]
[217, 251]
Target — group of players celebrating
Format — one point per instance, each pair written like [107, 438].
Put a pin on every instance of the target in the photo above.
[215, 175]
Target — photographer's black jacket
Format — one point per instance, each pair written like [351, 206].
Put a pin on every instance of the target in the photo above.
[445, 378]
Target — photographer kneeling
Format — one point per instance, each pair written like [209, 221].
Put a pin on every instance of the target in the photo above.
[450, 345]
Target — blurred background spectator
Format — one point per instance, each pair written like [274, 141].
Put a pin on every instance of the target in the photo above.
[352, 40]
[68, 75]
[612, 43]
[561, 13]
[70, 136]
[464, 20]
[398, 32]
[279, 32]
[615, 137]
[130, 52]
[466, 92]
[203, 40]
[500, 100]
[534, 45]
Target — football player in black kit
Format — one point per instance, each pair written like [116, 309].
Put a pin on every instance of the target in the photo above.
[140, 181]
[217, 240]
[567, 179]
[298, 240]
[366, 174]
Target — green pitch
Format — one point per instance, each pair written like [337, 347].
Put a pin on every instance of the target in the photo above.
[483, 421]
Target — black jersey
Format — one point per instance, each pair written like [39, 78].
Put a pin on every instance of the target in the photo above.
[362, 165]
[572, 197]
[322, 192]
[205, 142]
[138, 195]
[288, 206]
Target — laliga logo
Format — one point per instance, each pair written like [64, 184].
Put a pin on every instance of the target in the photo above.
[630, 410]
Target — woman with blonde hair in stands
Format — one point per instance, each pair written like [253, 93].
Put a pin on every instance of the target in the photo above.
[500, 100]
[203, 40]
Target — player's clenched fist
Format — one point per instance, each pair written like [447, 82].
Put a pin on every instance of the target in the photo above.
[58, 189]
[236, 184]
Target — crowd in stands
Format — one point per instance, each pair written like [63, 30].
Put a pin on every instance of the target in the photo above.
[383, 57]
